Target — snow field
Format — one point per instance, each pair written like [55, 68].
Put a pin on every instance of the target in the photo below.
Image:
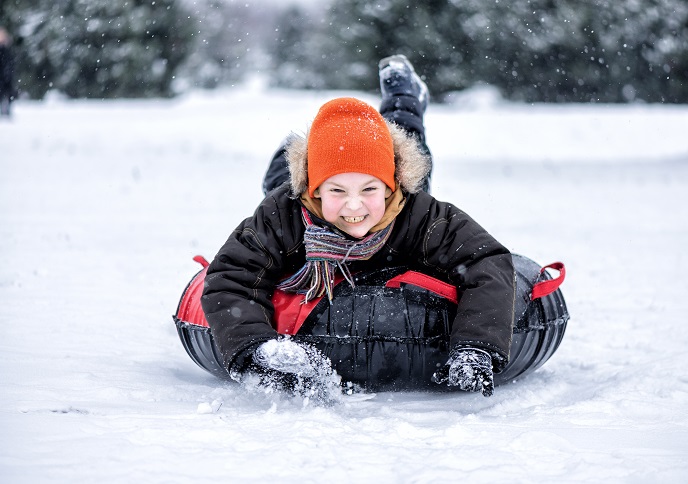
[103, 205]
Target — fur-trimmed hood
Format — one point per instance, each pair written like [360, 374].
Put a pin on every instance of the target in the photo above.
[412, 165]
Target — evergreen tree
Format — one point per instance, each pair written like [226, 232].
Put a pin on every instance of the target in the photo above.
[290, 48]
[358, 33]
[226, 41]
[599, 51]
[100, 48]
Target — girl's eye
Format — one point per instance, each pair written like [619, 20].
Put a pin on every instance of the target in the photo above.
[370, 189]
[336, 190]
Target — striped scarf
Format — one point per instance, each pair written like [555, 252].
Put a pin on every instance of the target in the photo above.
[325, 252]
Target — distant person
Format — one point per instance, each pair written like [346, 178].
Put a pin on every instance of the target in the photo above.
[7, 93]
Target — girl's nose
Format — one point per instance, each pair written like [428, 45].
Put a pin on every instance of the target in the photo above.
[353, 203]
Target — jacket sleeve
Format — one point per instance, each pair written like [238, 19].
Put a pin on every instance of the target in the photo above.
[240, 281]
[454, 245]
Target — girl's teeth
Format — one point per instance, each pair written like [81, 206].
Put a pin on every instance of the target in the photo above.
[353, 220]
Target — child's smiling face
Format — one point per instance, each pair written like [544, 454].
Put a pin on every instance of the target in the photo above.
[353, 202]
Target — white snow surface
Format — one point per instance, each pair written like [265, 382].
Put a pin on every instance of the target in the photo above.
[103, 204]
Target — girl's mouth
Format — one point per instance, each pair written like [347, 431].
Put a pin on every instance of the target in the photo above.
[354, 220]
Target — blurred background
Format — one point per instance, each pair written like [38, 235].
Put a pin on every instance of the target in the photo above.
[609, 51]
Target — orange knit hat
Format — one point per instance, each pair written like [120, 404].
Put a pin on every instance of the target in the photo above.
[346, 136]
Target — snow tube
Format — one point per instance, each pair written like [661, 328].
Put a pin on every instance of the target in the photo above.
[391, 331]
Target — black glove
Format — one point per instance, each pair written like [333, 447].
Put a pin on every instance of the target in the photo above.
[294, 368]
[470, 369]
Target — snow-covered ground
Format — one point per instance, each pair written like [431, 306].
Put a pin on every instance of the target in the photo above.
[103, 205]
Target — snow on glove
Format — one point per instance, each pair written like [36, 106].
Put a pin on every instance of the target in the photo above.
[296, 368]
[284, 355]
[470, 369]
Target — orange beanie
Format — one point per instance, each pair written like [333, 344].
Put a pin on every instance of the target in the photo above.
[346, 136]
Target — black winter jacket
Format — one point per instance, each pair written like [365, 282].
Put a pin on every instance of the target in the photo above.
[429, 236]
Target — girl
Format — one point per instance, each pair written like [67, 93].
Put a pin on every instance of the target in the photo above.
[356, 199]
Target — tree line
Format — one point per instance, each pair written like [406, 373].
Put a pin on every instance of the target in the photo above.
[531, 50]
